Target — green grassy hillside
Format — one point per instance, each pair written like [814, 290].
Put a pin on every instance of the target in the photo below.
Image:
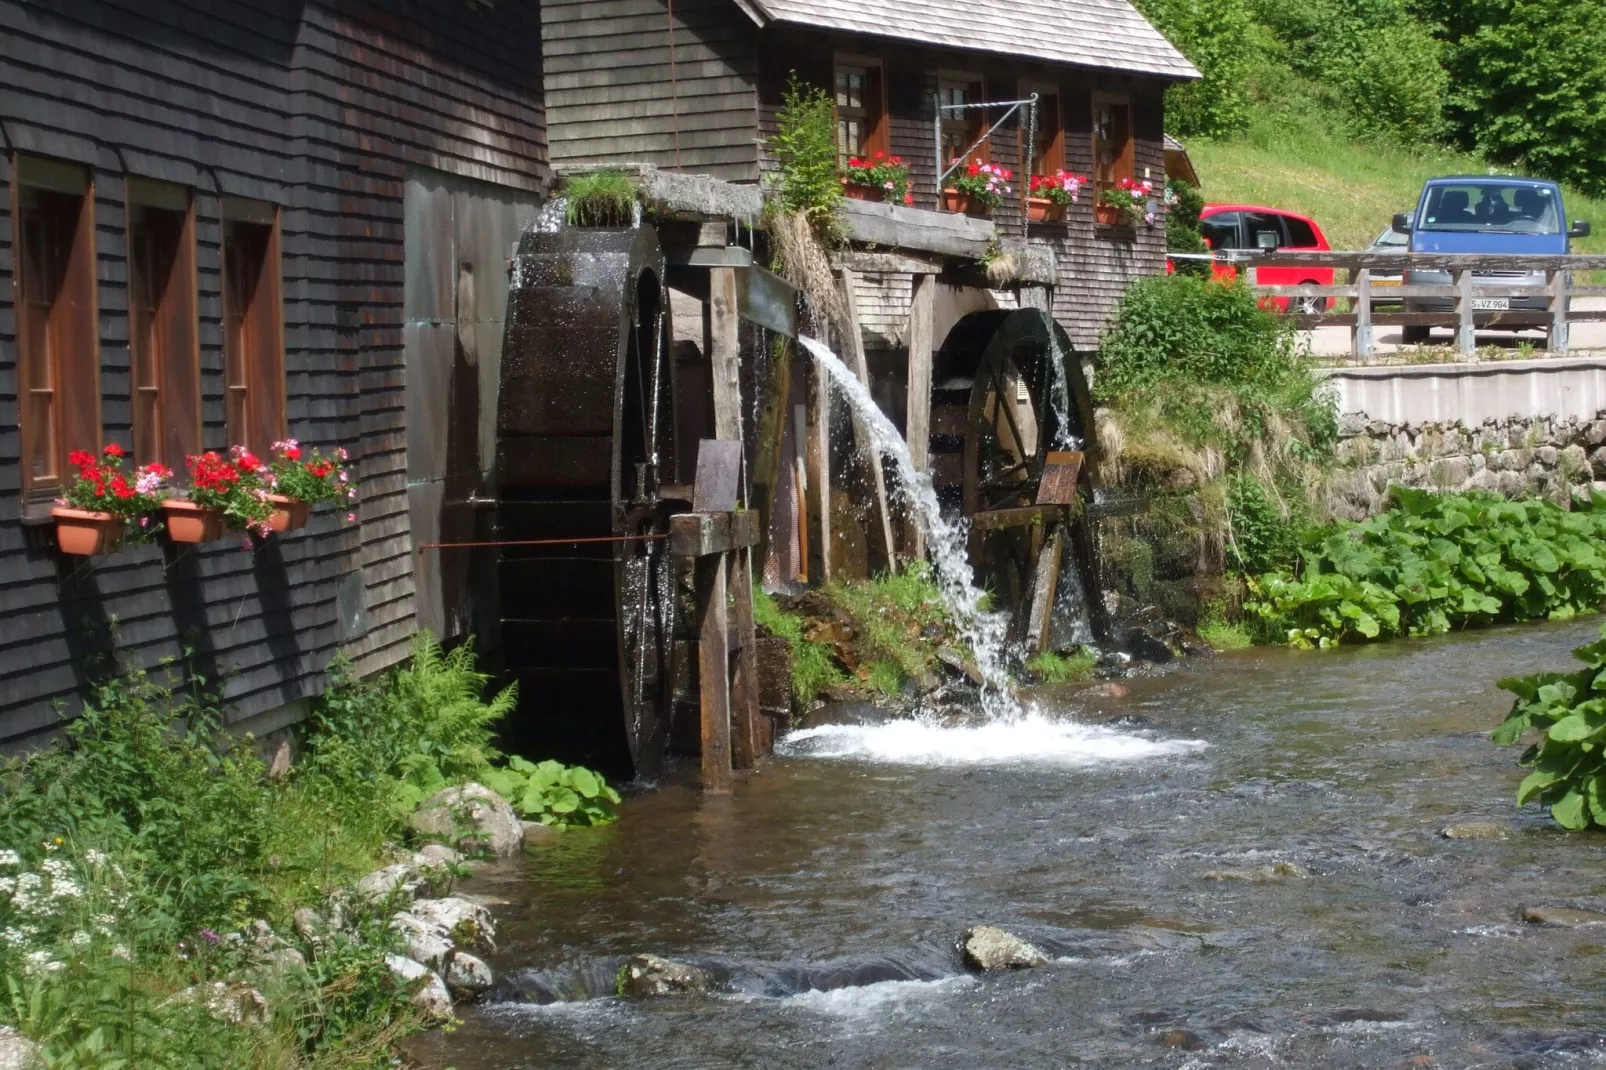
[1352, 188]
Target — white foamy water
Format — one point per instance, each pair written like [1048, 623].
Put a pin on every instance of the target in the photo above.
[875, 1000]
[1031, 739]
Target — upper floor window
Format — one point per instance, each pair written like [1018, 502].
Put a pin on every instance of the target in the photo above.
[860, 110]
[58, 351]
[253, 325]
[1048, 137]
[1112, 139]
[962, 126]
[164, 350]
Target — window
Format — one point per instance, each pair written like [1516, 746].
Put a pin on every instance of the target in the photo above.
[162, 341]
[58, 356]
[861, 127]
[1258, 223]
[1112, 140]
[253, 329]
[1221, 230]
[1300, 234]
[1048, 148]
[961, 129]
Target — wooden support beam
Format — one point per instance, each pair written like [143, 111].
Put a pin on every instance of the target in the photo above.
[706, 534]
[745, 737]
[1361, 339]
[917, 414]
[819, 466]
[713, 673]
[1045, 587]
[861, 430]
[772, 418]
[998, 519]
[800, 481]
[1557, 339]
[724, 344]
[1466, 337]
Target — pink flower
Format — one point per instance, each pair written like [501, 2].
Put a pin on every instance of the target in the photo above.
[351, 518]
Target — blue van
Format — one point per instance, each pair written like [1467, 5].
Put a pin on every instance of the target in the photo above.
[1485, 214]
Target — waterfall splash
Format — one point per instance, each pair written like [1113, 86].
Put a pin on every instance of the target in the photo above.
[1060, 397]
[945, 541]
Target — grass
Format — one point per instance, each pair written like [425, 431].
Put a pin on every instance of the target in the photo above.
[1352, 188]
[1225, 635]
[600, 199]
[814, 666]
[1061, 669]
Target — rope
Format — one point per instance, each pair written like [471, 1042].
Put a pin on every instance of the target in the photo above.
[540, 542]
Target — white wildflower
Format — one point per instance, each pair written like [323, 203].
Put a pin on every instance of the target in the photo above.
[14, 937]
[120, 951]
[9, 857]
[37, 962]
[94, 857]
[7, 885]
[80, 939]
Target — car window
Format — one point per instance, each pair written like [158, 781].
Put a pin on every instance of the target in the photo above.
[1257, 223]
[1301, 235]
[1490, 207]
[1221, 230]
[1392, 237]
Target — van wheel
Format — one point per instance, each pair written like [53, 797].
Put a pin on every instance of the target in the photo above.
[1311, 306]
[1414, 334]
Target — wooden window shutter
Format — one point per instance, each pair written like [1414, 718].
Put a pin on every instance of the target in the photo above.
[163, 334]
[253, 331]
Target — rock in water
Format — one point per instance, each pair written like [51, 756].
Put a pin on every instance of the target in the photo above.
[987, 948]
[17, 1052]
[648, 975]
[1568, 917]
[467, 976]
[1260, 874]
[423, 941]
[472, 815]
[429, 995]
[465, 923]
[401, 880]
[1476, 830]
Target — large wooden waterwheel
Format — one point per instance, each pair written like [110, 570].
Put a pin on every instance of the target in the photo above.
[995, 429]
[584, 438]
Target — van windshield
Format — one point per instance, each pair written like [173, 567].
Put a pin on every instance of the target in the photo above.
[1491, 207]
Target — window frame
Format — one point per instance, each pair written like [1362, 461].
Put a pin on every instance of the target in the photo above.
[1237, 218]
[1253, 222]
[61, 346]
[1053, 157]
[167, 421]
[875, 135]
[254, 380]
[974, 120]
[1123, 164]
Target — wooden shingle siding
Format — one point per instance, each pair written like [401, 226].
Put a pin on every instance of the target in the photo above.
[320, 109]
[618, 91]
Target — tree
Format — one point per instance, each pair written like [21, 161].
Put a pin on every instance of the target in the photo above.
[1215, 35]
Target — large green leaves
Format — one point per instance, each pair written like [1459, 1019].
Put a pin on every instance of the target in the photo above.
[1569, 761]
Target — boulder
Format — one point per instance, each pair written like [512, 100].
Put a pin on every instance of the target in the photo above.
[467, 976]
[1476, 830]
[1260, 874]
[235, 1003]
[284, 963]
[647, 976]
[1567, 917]
[472, 815]
[436, 854]
[400, 880]
[465, 923]
[423, 941]
[429, 991]
[536, 834]
[310, 925]
[989, 948]
[17, 1052]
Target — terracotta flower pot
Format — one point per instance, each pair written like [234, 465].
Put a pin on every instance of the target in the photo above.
[84, 533]
[188, 522]
[855, 192]
[289, 514]
[1043, 210]
[1109, 215]
[954, 201]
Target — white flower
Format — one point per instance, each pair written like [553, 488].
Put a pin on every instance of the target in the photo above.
[9, 857]
[7, 885]
[13, 936]
[120, 951]
[80, 939]
[35, 962]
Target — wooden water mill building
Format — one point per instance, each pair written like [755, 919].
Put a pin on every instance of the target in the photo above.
[382, 166]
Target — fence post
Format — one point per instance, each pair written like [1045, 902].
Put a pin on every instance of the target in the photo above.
[1466, 335]
[1361, 337]
[1558, 340]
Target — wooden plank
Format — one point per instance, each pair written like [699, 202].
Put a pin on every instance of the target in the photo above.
[1558, 339]
[713, 669]
[1466, 337]
[1361, 336]
[1395, 262]
[917, 414]
[1045, 586]
[895, 227]
[819, 466]
[705, 534]
[998, 519]
[719, 475]
[800, 479]
[887, 263]
[772, 418]
[861, 430]
[744, 677]
[1058, 483]
[725, 353]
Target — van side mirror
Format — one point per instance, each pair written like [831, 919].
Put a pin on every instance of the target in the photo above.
[1266, 240]
[1580, 229]
[1401, 224]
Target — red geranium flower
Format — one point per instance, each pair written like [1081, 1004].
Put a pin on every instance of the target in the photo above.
[79, 458]
[113, 450]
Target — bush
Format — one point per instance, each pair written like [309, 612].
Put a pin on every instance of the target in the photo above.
[1436, 562]
[1394, 84]
[1215, 36]
[600, 199]
[1568, 763]
[805, 147]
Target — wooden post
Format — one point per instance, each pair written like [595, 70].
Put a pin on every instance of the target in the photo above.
[713, 673]
[861, 431]
[1558, 340]
[771, 433]
[1362, 336]
[800, 479]
[1045, 586]
[819, 464]
[724, 342]
[1466, 335]
[744, 679]
[917, 420]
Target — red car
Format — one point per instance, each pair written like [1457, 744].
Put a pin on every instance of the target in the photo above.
[1241, 226]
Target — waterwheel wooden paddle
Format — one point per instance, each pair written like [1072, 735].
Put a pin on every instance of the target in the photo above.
[584, 439]
[994, 457]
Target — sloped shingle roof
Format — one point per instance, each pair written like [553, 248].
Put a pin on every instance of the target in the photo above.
[1088, 33]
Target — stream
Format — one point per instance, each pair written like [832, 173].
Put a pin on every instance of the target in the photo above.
[828, 894]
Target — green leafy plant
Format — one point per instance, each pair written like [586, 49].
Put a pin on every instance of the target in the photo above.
[1436, 562]
[600, 199]
[1568, 761]
[310, 477]
[553, 793]
[1184, 205]
[805, 147]
[1056, 668]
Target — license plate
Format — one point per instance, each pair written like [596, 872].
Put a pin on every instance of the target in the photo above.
[1491, 304]
[1385, 282]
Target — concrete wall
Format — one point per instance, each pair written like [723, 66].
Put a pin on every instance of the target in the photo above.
[1471, 394]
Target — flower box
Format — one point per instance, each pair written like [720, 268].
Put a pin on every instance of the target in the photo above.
[963, 203]
[189, 522]
[1043, 210]
[855, 192]
[1108, 215]
[84, 533]
[289, 514]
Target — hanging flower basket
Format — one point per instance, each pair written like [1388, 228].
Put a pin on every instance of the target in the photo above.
[289, 514]
[188, 521]
[1043, 210]
[84, 533]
